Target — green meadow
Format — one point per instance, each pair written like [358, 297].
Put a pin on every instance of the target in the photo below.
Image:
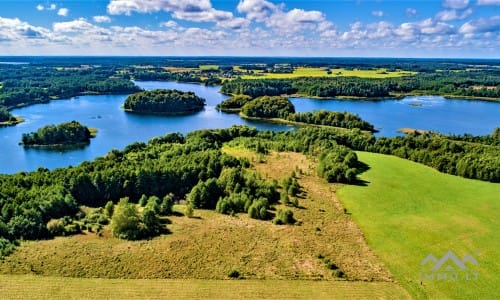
[408, 211]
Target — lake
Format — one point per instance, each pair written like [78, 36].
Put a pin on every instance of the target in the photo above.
[117, 129]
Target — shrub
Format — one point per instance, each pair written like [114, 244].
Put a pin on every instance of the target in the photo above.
[55, 227]
[7, 247]
[284, 217]
[108, 209]
[233, 274]
[189, 210]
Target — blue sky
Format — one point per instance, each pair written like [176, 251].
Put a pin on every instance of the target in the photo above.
[373, 28]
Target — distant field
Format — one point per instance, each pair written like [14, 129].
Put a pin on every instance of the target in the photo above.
[322, 72]
[208, 67]
[408, 211]
[40, 287]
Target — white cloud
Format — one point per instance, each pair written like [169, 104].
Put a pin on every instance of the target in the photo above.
[481, 25]
[488, 2]
[119, 7]
[377, 13]
[191, 10]
[101, 19]
[456, 4]
[77, 25]
[257, 10]
[452, 14]
[411, 12]
[63, 12]
[169, 24]
[52, 6]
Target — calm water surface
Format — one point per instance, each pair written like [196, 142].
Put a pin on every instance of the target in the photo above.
[116, 129]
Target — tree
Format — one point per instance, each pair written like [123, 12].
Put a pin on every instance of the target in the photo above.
[125, 221]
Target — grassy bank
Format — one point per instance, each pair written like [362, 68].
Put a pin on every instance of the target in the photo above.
[408, 211]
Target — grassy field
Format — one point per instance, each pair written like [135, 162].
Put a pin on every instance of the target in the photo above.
[408, 211]
[322, 72]
[41, 287]
[208, 67]
[210, 245]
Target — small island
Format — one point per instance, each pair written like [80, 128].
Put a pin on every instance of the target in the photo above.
[6, 119]
[164, 102]
[65, 134]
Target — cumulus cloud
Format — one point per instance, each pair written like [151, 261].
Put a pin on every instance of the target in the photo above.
[16, 30]
[275, 16]
[453, 14]
[377, 13]
[411, 12]
[191, 10]
[101, 19]
[40, 7]
[488, 2]
[481, 25]
[63, 12]
[257, 10]
[456, 4]
[169, 24]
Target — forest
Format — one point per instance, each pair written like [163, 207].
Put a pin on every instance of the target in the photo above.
[193, 167]
[466, 84]
[281, 107]
[25, 84]
[164, 102]
[69, 133]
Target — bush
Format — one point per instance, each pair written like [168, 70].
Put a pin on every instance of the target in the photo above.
[284, 217]
[189, 210]
[233, 274]
[55, 227]
[7, 247]
[108, 209]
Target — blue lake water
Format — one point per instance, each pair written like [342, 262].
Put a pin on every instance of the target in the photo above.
[117, 129]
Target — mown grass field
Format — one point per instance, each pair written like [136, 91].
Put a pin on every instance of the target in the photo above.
[322, 72]
[408, 211]
[41, 287]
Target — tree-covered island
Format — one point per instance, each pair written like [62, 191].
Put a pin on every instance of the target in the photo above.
[164, 102]
[70, 133]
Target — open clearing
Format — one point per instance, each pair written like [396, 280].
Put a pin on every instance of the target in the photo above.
[322, 72]
[408, 211]
[210, 245]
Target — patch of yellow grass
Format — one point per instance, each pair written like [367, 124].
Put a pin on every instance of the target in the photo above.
[322, 72]
[42, 287]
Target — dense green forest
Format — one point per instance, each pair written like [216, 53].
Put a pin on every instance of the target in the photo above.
[234, 103]
[164, 102]
[63, 134]
[268, 107]
[27, 84]
[278, 107]
[465, 83]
